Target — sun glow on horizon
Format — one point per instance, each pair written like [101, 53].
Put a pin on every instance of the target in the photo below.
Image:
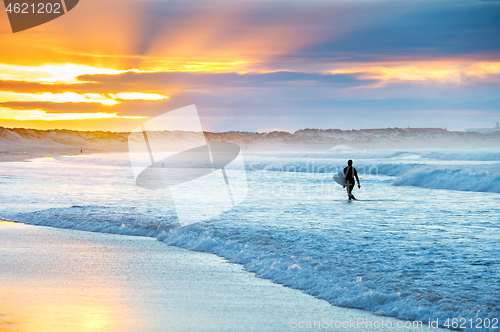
[66, 97]
[64, 74]
[62, 84]
[52, 74]
[30, 115]
[138, 96]
[73, 97]
[69, 73]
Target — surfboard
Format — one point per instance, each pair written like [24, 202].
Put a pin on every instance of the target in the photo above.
[339, 178]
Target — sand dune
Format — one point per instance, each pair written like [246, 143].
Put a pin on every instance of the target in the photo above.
[20, 143]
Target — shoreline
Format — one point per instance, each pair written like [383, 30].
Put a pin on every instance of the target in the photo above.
[18, 144]
[24, 155]
[19, 156]
[60, 279]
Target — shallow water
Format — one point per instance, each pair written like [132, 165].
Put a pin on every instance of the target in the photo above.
[421, 242]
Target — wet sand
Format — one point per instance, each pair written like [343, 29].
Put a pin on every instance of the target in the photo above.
[67, 280]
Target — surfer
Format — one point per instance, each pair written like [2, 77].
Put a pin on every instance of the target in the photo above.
[350, 173]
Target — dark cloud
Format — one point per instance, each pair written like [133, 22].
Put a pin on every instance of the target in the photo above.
[30, 87]
[186, 80]
[421, 29]
[34, 87]
[300, 39]
[284, 100]
[56, 107]
[166, 82]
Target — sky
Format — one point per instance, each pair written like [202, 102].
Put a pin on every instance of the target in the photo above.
[256, 65]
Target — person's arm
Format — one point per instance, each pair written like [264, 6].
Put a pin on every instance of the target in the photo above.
[357, 179]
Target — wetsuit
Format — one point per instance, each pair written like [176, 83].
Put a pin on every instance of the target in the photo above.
[350, 173]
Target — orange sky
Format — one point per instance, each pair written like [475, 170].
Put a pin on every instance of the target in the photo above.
[124, 47]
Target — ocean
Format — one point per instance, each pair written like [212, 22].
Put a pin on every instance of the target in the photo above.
[421, 243]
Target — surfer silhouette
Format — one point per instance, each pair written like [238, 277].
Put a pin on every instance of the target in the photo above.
[350, 173]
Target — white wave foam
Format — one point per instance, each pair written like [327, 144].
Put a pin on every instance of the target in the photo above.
[445, 155]
[453, 179]
[326, 266]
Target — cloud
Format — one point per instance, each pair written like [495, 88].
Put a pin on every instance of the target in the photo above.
[289, 100]
[54, 107]
[137, 96]
[66, 97]
[49, 74]
[453, 72]
[39, 115]
[176, 81]
[420, 29]
[452, 112]
[237, 36]
[262, 64]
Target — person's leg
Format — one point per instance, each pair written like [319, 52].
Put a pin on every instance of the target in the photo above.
[349, 187]
[352, 196]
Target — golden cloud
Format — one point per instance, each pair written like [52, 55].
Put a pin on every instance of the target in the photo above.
[51, 74]
[432, 71]
[39, 115]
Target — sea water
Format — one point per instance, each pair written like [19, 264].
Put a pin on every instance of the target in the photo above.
[422, 241]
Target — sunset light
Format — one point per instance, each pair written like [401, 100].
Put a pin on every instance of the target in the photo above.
[51, 74]
[30, 115]
[438, 71]
[66, 97]
[257, 65]
[249, 165]
[137, 96]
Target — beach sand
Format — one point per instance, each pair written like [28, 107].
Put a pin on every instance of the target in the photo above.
[67, 280]
[17, 144]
